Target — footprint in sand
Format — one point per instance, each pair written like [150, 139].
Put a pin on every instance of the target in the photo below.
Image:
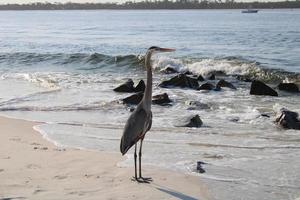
[15, 139]
[35, 143]
[59, 149]
[40, 148]
[88, 175]
[33, 166]
[60, 177]
[38, 191]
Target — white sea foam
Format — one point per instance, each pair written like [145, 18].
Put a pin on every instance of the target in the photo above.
[229, 67]
[163, 62]
[45, 135]
[207, 66]
[41, 79]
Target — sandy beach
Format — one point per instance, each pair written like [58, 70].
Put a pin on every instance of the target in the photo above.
[33, 168]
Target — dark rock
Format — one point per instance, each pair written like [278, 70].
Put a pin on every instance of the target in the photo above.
[140, 86]
[288, 87]
[206, 86]
[169, 70]
[188, 73]
[199, 167]
[126, 87]
[288, 119]
[133, 99]
[181, 80]
[193, 121]
[161, 99]
[200, 78]
[223, 83]
[212, 77]
[265, 115]
[244, 78]
[233, 119]
[197, 105]
[218, 88]
[131, 108]
[259, 88]
[218, 73]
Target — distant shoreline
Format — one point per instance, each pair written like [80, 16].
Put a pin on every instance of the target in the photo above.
[148, 9]
[155, 5]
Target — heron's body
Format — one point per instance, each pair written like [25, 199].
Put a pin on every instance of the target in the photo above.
[138, 124]
[140, 121]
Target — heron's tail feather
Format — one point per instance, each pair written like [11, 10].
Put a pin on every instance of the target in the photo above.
[125, 146]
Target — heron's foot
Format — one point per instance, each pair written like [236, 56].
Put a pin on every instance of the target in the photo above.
[141, 179]
[148, 179]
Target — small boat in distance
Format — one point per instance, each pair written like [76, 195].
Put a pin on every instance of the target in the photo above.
[250, 11]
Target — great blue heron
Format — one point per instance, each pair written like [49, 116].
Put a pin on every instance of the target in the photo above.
[139, 122]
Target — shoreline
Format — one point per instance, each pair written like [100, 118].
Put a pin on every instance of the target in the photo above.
[32, 167]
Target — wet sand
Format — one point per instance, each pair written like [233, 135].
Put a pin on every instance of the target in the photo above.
[33, 168]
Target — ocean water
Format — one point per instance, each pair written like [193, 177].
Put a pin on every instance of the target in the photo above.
[60, 67]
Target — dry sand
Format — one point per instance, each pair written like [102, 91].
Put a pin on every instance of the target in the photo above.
[33, 168]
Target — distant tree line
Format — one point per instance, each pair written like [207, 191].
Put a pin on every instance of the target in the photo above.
[163, 4]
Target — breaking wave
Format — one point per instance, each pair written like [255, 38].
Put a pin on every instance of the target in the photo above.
[227, 66]
[203, 66]
[77, 59]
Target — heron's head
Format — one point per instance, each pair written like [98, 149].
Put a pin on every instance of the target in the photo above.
[155, 49]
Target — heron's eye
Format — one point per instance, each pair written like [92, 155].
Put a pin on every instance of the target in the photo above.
[153, 48]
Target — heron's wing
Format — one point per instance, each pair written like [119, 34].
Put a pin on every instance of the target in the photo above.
[134, 128]
[150, 122]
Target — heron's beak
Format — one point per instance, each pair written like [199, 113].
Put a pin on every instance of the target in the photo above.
[166, 50]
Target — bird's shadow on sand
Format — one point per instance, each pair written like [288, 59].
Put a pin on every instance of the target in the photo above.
[174, 193]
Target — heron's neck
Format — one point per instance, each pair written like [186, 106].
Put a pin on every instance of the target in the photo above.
[148, 89]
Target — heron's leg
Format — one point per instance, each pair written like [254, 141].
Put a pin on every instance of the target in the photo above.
[140, 159]
[146, 180]
[135, 178]
[135, 172]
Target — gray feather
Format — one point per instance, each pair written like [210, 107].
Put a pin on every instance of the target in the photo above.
[136, 126]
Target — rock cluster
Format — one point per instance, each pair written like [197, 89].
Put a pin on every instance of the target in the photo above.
[216, 82]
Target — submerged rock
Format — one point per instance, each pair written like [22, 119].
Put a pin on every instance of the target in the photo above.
[265, 115]
[288, 119]
[212, 77]
[244, 78]
[200, 78]
[161, 99]
[192, 121]
[218, 72]
[133, 99]
[259, 88]
[181, 80]
[288, 87]
[131, 108]
[197, 105]
[206, 86]
[223, 83]
[188, 73]
[125, 87]
[140, 86]
[233, 119]
[169, 70]
[199, 167]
